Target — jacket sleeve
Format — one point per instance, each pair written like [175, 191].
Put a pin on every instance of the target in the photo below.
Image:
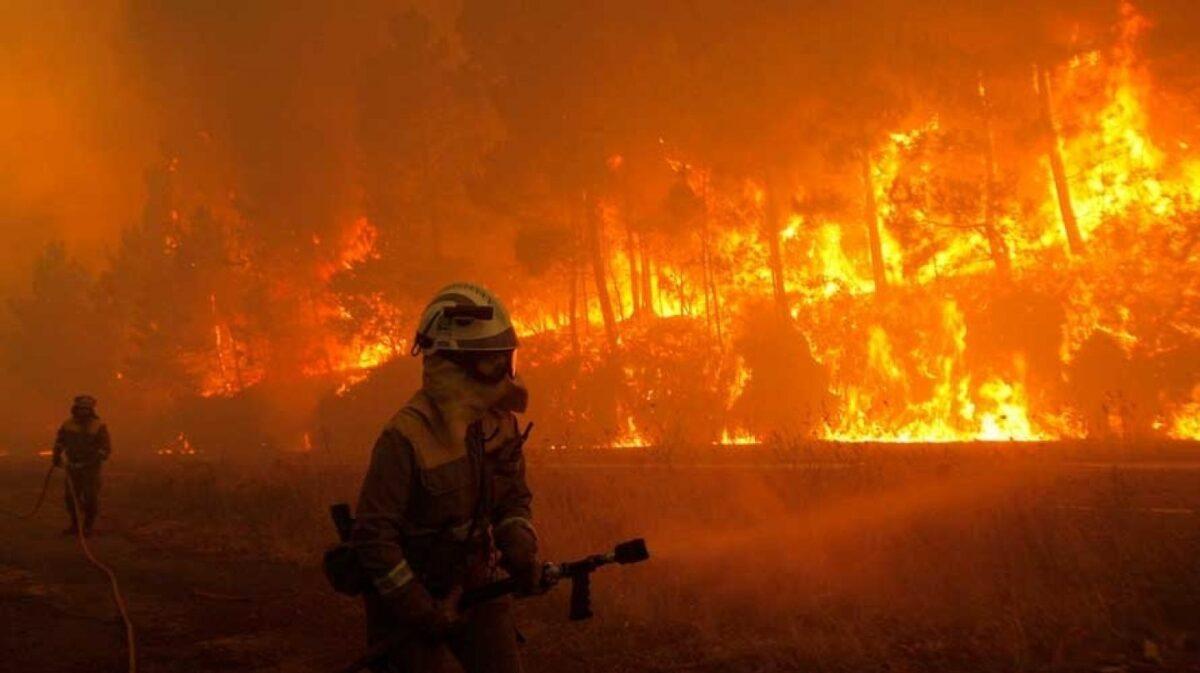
[103, 442]
[380, 514]
[512, 516]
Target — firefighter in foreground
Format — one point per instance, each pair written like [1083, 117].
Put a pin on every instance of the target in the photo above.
[446, 490]
[83, 440]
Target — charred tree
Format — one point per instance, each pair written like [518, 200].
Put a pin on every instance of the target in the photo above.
[656, 287]
[772, 225]
[585, 312]
[708, 309]
[871, 218]
[716, 302]
[712, 302]
[685, 306]
[592, 223]
[573, 308]
[220, 334]
[611, 275]
[997, 245]
[635, 294]
[648, 301]
[1053, 152]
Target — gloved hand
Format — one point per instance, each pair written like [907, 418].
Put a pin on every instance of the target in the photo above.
[519, 556]
[529, 576]
[434, 619]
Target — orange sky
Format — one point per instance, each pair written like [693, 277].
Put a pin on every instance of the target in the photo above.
[73, 132]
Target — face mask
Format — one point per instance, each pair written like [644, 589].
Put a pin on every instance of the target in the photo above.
[515, 397]
[454, 381]
[486, 368]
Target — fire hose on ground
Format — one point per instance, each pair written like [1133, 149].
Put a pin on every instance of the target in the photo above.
[118, 598]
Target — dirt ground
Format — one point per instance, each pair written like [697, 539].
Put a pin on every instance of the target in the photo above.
[195, 608]
[1064, 565]
[192, 612]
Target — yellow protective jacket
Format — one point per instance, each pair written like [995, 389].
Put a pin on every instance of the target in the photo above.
[425, 507]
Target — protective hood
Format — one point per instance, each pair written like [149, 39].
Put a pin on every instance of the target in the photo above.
[463, 400]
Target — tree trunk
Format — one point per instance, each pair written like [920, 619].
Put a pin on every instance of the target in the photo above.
[592, 222]
[231, 349]
[712, 279]
[708, 311]
[647, 287]
[996, 243]
[635, 294]
[1054, 154]
[611, 276]
[871, 217]
[685, 307]
[573, 308]
[655, 289]
[712, 302]
[586, 310]
[709, 272]
[772, 225]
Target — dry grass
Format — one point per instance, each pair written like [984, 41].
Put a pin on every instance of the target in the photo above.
[839, 560]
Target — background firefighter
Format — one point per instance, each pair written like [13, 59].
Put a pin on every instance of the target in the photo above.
[446, 491]
[83, 439]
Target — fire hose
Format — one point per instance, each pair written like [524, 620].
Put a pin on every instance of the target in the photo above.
[118, 598]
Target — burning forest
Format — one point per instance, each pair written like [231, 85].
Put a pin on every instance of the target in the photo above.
[715, 227]
[873, 223]
[873, 326]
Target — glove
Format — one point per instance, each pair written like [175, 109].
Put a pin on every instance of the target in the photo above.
[529, 577]
[519, 556]
[416, 609]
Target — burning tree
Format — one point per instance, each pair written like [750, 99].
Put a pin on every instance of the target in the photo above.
[854, 221]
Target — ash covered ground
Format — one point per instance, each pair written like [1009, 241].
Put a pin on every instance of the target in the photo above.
[985, 557]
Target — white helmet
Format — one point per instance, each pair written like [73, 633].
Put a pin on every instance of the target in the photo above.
[464, 317]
